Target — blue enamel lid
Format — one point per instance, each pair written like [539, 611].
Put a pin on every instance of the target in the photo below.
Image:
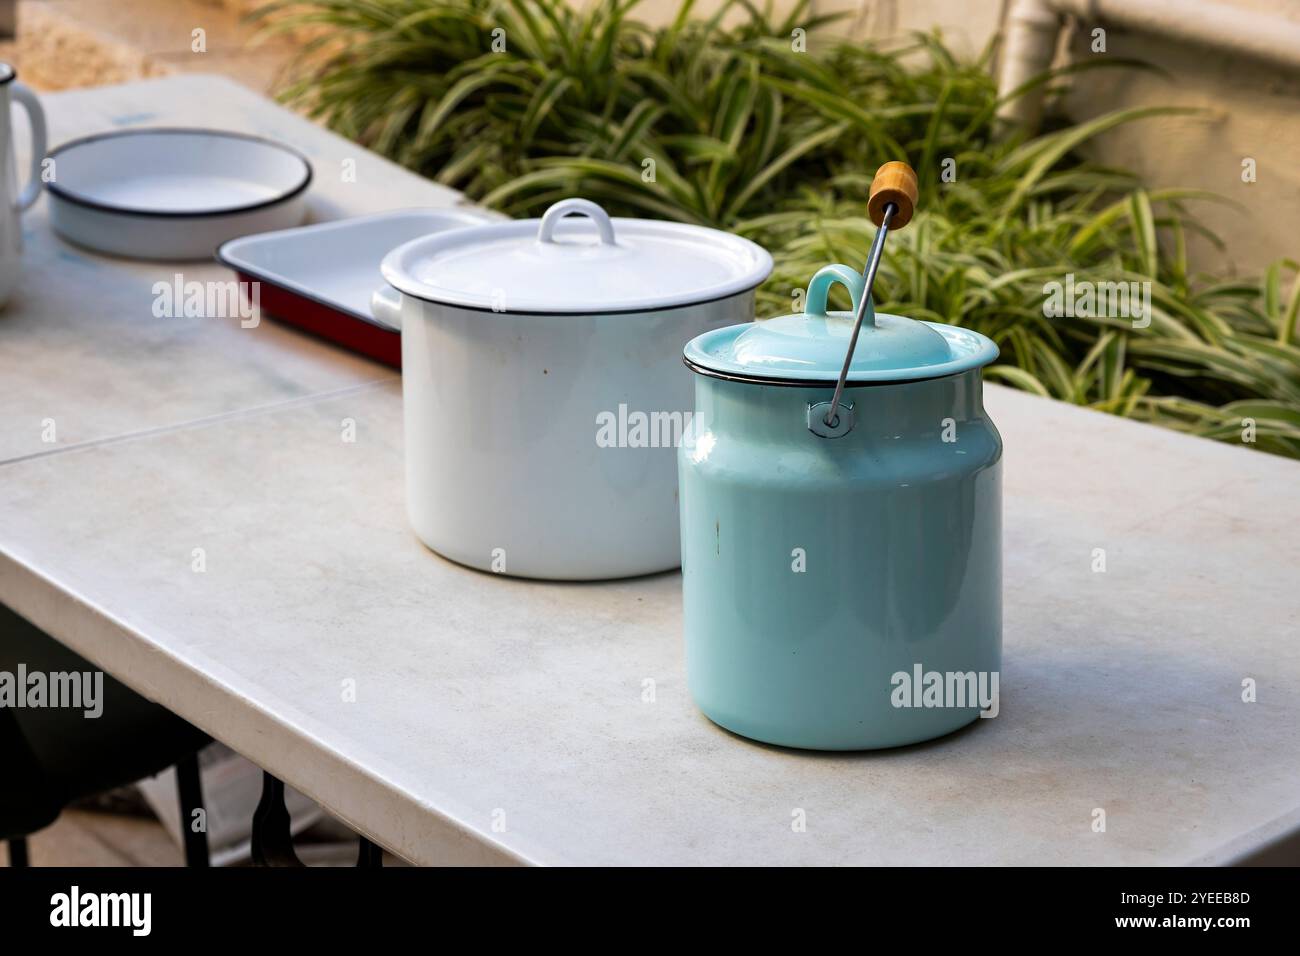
[811, 346]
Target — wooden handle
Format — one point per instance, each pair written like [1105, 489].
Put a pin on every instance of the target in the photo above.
[895, 182]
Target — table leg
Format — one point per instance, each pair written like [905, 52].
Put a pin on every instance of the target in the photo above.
[189, 790]
[272, 842]
[369, 854]
[18, 851]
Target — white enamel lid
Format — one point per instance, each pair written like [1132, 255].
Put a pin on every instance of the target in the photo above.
[587, 264]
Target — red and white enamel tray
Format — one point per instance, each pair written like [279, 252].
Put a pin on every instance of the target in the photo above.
[320, 277]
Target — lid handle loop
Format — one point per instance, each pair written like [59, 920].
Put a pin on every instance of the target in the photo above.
[577, 207]
[820, 286]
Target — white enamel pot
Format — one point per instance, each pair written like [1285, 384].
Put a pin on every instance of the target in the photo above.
[543, 386]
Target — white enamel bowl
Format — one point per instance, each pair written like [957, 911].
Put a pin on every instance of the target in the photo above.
[173, 193]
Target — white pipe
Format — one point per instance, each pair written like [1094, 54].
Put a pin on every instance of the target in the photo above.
[1032, 28]
[1030, 45]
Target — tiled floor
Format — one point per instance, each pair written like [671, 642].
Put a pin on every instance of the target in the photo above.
[82, 838]
[91, 838]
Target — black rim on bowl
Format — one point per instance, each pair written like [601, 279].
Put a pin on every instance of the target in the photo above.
[72, 197]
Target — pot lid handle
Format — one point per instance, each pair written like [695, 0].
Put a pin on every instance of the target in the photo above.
[820, 285]
[579, 207]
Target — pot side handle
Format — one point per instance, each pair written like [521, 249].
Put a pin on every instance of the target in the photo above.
[386, 307]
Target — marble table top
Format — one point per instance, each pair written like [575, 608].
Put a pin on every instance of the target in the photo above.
[460, 717]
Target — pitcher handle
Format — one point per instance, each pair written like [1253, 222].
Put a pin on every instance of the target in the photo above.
[36, 116]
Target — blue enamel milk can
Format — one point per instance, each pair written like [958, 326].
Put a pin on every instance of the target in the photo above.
[841, 566]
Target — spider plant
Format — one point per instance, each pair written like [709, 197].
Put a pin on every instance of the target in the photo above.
[516, 101]
[741, 121]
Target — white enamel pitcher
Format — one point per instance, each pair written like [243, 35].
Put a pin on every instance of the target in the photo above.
[13, 201]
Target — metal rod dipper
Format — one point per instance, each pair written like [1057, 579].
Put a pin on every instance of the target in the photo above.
[891, 202]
